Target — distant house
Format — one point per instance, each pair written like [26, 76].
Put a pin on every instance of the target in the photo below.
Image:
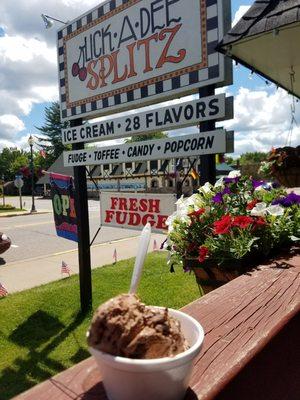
[159, 176]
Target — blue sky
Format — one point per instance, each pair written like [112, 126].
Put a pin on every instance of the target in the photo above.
[28, 76]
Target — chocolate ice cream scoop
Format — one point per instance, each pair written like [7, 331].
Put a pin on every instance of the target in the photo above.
[123, 326]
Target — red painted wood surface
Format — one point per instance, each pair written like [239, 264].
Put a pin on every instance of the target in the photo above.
[250, 349]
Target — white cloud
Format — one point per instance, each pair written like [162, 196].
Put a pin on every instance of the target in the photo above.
[28, 60]
[10, 125]
[240, 12]
[262, 119]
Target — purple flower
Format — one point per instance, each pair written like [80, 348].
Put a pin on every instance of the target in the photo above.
[256, 184]
[226, 191]
[231, 180]
[275, 185]
[288, 200]
[218, 198]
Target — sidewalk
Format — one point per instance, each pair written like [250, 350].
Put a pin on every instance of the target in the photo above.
[25, 212]
[26, 274]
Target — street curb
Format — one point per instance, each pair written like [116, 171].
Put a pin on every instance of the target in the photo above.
[20, 213]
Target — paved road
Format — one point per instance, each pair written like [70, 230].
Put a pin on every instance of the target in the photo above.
[35, 236]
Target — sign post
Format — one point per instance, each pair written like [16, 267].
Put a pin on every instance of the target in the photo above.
[207, 161]
[2, 191]
[19, 184]
[82, 212]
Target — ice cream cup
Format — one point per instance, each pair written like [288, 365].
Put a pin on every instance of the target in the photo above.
[160, 378]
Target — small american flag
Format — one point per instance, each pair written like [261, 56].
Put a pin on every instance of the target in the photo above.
[155, 248]
[115, 256]
[3, 291]
[65, 268]
[43, 153]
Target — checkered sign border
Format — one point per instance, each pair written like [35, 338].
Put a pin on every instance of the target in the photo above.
[159, 91]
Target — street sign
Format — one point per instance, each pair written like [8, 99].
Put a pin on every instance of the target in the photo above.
[18, 182]
[134, 211]
[213, 142]
[165, 118]
[127, 54]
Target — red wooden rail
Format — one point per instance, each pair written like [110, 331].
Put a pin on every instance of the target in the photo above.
[251, 348]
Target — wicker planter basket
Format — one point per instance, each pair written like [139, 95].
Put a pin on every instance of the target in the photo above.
[208, 275]
[289, 177]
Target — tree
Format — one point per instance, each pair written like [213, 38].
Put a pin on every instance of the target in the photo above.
[51, 141]
[11, 160]
[150, 136]
[252, 158]
[250, 163]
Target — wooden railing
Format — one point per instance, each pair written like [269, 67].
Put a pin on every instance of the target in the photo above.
[251, 348]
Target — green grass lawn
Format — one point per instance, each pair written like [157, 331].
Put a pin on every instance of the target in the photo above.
[42, 331]
[9, 208]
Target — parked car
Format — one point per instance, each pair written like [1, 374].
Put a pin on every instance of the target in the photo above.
[5, 242]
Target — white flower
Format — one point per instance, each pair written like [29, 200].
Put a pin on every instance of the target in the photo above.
[275, 210]
[259, 210]
[206, 188]
[260, 187]
[219, 182]
[234, 174]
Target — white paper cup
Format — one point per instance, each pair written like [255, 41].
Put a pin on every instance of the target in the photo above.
[160, 378]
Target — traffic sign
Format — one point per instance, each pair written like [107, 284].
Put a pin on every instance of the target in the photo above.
[18, 182]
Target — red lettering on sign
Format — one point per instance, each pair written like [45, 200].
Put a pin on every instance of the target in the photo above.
[132, 205]
[153, 206]
[148, 218]
[143, 205]
[114, 202]
[108, 68]
[161, 222]
[120, 217]
[164, 58]
[134, 219]
[109, 216]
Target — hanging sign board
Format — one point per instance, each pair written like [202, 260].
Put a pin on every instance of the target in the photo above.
[127, 54]
[62, 194]
[213, 142]
[170, 117]
[134, 211]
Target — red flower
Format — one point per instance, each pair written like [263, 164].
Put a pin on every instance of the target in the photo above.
[222, 225]
[197, 213]
[259, 222]
[242, 221]
[252, 204]
[203, 252]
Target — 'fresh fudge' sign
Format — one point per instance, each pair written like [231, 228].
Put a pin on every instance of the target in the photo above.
[138, 52]
[135, 210]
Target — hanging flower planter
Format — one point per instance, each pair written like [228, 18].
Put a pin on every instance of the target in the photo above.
[283, 164]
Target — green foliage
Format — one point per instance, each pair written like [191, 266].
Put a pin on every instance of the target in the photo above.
[51, 140]
[150, 136]
[252, 158]
[250, 163]
[43, 332]
[11, 159]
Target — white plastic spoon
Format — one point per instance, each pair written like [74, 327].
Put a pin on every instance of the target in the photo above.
[140, 258]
